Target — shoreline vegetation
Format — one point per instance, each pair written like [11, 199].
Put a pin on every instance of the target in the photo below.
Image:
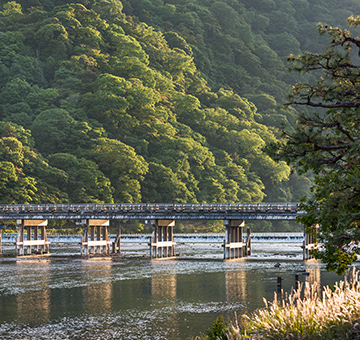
[137, 227]
[307, 313]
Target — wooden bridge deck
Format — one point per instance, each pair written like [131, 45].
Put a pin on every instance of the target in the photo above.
[150, 211]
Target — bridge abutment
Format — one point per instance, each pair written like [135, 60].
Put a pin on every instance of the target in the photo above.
[96, 239]
[31, 244]
[234, 245]
[162, 239]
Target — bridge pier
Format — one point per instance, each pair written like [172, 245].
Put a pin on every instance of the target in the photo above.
[309, 243]
[99, 242]
[162, 239]
[32, 245]
[234, 245]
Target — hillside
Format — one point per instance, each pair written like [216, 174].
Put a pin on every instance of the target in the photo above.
[146, 101]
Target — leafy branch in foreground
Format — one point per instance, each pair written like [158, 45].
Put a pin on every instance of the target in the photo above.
[327, 143]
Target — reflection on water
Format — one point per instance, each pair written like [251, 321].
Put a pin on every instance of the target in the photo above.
[135, 297]
[34, 305]
[164, 293]
[235, 285]
[163, 285]
[97, 298]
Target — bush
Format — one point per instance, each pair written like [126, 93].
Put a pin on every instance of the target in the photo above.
[219, 330]
[9, 231]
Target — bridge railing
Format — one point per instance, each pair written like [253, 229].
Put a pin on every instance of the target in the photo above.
[151, 207]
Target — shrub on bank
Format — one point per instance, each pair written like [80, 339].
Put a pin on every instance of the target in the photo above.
[220, 330]
[65, 231]
[9, 231]
[304, 315]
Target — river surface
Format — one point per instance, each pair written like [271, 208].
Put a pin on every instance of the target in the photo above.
[133, 297]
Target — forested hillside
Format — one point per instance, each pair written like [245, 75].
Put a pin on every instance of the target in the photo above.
[147, 101]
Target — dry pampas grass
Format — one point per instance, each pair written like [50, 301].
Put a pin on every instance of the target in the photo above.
[304, 315]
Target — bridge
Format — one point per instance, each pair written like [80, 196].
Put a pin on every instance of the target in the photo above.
[150, 211]
[32, 218]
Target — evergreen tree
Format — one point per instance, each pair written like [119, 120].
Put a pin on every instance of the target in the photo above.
[326, 142]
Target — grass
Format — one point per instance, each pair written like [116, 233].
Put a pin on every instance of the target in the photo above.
[303, 315]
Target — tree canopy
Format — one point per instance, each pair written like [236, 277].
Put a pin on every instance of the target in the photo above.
[325, 141]
[170, 102]
[118, 111]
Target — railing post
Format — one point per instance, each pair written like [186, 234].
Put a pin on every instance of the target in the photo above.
[297, 282]
[279, 284]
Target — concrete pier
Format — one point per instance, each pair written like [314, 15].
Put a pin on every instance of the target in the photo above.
[32, 244]
[162, 240]
[234, 245]
[97, 231]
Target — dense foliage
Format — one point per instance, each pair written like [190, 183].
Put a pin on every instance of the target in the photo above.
[326, 142]
[141, 100]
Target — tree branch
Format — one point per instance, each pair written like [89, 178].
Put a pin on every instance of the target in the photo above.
[327, 106]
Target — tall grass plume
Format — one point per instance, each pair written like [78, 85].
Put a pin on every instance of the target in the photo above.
[304, 315]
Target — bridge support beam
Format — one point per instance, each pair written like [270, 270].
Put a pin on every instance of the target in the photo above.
[116, 245]
[234, 245]
[32, 244]
[309, 243]
[162, 239]
[96, 239]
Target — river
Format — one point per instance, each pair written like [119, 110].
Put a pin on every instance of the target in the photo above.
[133, 297]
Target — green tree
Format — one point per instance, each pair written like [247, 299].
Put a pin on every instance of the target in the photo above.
[161, 184]
[15, 187]
[11, 8]
[85, 182]
[120, 163]
[326, 142]
[56, 131]
[26, 177]
[108, 9]
[52, 39]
